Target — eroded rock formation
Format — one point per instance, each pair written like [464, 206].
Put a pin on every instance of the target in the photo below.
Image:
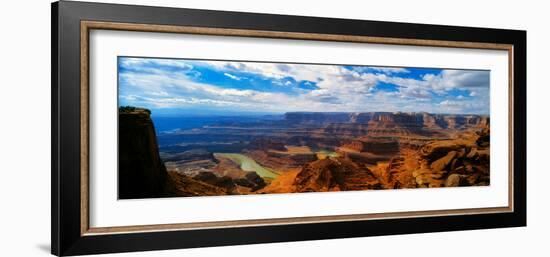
[335, 174]
[455, 162]
[304, 152]
[142, 173]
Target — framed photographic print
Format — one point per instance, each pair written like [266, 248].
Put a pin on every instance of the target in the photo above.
[177, 128]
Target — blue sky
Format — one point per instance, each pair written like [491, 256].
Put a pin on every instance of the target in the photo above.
[182, 87]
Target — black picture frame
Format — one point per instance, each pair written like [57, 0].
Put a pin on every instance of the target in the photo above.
[66, 235]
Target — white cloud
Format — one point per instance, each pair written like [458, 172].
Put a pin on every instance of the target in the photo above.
[386, 70]
[466, 79]
[334, 81]
[140, 62]
[231, 76]
[299, 72]
[338, 88]
[450, 103]
[339, 81]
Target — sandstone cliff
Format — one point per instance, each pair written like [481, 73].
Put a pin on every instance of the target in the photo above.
[141, 172]
[386, 123]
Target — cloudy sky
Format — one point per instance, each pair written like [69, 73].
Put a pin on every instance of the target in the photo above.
[177, 86]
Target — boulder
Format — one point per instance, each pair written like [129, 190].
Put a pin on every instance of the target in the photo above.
[456, 180]
[443, 163]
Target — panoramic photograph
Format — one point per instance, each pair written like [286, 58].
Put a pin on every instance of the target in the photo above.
[191, 127]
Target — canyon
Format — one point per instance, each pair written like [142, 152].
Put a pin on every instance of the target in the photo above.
[297, 152]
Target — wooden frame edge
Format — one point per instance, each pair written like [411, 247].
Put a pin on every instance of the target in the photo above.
[286, 35]
[289, 221]
[84, 128]
[86, 26]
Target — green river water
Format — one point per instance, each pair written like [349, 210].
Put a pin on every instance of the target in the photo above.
[248, 164]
